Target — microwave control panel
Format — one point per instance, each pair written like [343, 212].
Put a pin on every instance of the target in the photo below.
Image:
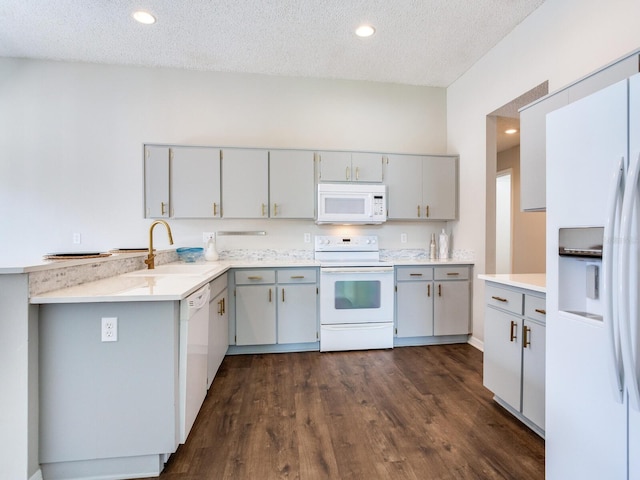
[378, 205]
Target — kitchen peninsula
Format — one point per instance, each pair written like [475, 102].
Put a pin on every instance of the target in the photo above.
[53, 305]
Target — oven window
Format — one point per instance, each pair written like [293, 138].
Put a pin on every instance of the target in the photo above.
[357, 294]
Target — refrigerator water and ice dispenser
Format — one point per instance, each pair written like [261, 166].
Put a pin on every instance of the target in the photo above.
[580, 250]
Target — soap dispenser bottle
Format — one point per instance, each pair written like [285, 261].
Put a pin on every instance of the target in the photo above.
[432, 247]
[211, 254]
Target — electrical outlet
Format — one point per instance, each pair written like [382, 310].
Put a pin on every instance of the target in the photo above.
[109, 329]
[307, 238]
[207, 235]
[403, 238]
[77, 239]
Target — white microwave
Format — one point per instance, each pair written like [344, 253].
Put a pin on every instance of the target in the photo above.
[352, 203]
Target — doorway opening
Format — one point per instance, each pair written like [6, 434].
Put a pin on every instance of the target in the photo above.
[503, 221]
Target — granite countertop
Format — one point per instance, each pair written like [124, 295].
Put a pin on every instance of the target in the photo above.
[536, 282]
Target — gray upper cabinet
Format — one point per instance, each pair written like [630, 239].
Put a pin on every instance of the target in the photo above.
[533, 127]
[245, 186]
[533, 135]
[195, 182]
[291, 184]
[156, 181]
[349, 167]
[422, 187]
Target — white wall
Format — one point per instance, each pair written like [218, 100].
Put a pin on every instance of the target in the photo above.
[561, 41]
[72, 136]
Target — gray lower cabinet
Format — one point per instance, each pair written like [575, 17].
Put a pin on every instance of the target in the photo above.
[108, 407]
[514, 351]
[218, 326]
[274, 307]
[433, 301]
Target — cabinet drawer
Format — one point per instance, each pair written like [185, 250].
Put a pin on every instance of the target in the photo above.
[404, 274]
[504, 299]
[297, 276]
[218, 285]
[535, 308]
[248, 277]
[451, 273]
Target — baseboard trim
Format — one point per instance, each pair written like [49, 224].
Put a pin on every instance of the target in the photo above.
[36, 476]
[476, 342]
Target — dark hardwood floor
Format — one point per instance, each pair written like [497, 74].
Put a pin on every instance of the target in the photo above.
[406, 413]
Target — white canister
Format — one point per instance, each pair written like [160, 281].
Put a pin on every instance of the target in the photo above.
[443, 245]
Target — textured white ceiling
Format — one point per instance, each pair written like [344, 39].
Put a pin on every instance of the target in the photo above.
[418, 42]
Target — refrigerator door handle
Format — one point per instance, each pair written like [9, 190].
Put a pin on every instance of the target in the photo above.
[609, 253]
[625, 295]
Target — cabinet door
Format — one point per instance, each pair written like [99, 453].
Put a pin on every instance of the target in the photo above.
[533, 141]
[451, 308]
[245, 185]
[366, 167]
[218, 334]
[439, 188]
[414, 308]
[291, 184]
[255, 315]
[404, 184]
[334, 166]
[156, 182]
[502, 368]
[533, 368]
[195, 182]
[297, 313]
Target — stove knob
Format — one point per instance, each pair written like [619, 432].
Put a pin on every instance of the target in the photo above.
[367, 241]
[373, 240]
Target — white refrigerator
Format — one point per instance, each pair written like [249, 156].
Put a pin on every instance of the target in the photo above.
[592, 364]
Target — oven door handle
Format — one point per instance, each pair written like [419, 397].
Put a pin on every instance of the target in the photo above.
[358, 270]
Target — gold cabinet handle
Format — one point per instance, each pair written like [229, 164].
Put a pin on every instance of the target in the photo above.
[262, 209]
[526, 340]
[255, 277]
[426, 210]
[415, 274]
[224, 306]
[428, 290]
[215, 209]
[439, 289]
[418, 211]
[347, 173]
[275, 209]
[513, 332]
[220, 311]
[453, 274]
[357, 173]
[269, 295]
[163, 208]
[541, 311]
[297, 277]
[283, 295]
[500, 299]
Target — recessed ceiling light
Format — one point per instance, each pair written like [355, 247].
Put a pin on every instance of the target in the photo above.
[511, 131]
[365, 31]
[144, 17]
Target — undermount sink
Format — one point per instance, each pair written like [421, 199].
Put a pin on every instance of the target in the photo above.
[174, 269]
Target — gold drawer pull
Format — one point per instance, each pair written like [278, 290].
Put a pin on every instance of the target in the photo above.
[255, 277]
[527, 339]
[415, 274]
[541, 311]
[297, 277]
[500, 299]
[453, 273]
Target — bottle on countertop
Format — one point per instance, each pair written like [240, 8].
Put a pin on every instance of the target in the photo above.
[432, 247]
[444, 246]
[210, 253]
